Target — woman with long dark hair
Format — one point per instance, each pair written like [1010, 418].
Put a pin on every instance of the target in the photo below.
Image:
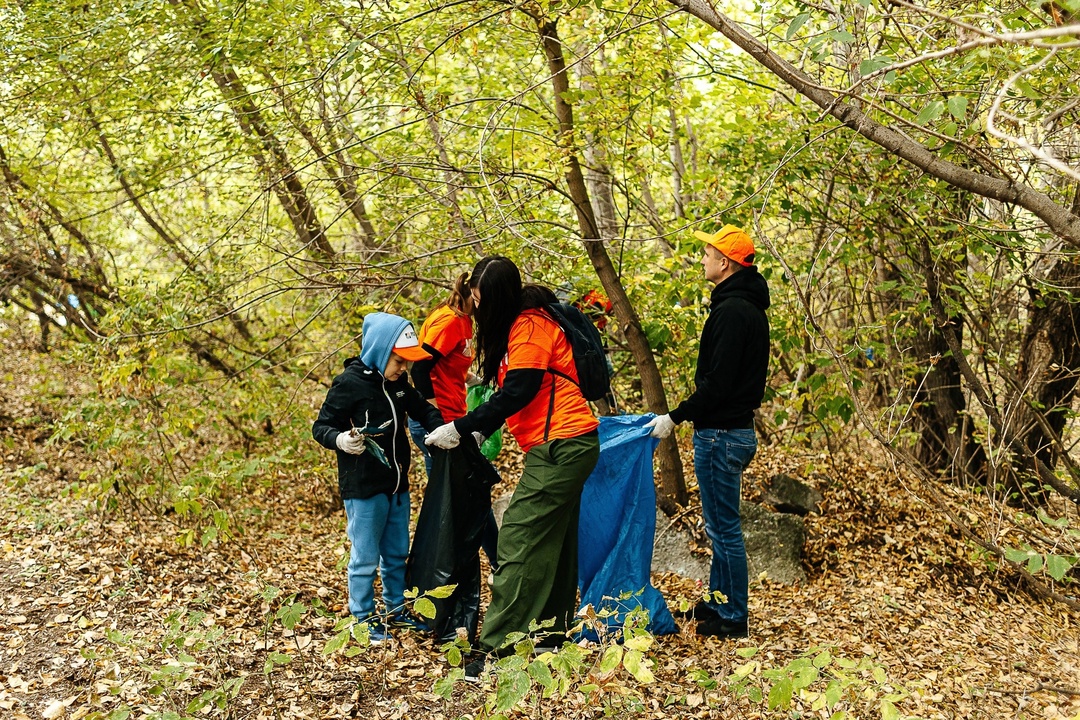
[523, 350]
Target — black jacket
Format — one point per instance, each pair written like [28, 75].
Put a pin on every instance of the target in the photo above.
[359, 390]
[733, 360]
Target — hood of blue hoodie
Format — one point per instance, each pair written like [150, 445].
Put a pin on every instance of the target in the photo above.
[380, 332]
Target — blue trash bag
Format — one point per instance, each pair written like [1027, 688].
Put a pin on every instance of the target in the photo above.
[617, 527]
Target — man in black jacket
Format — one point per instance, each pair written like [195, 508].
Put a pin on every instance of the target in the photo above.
[733, 361]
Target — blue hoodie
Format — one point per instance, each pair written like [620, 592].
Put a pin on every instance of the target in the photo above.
[381, 331]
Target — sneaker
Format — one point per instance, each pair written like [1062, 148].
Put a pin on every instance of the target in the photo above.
[717, 626]
[407, 621]
[377, 632]
[701, 611]
[475, 668]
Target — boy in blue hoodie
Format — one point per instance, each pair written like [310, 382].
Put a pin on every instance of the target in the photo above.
[365, 419]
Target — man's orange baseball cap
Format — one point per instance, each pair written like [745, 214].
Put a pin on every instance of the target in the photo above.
[733, 242]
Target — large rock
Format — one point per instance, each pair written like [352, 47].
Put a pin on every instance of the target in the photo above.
[774, 543]
[789, 495]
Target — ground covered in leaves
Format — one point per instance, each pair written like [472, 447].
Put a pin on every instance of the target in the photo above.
[103, 613]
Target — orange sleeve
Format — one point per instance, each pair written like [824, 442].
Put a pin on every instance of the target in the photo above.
[442, 331]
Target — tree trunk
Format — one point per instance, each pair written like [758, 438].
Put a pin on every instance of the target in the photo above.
[275, 162]
[672, 483]
[1007, 435]
[1047, 372]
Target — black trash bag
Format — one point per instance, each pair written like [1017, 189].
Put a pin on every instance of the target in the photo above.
[446, 545]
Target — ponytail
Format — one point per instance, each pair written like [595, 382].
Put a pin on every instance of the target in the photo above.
[460, 298]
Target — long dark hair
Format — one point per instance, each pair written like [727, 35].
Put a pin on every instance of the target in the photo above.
[499, 282]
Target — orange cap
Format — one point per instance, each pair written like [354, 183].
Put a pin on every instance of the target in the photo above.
[733, 242]
[408, 346]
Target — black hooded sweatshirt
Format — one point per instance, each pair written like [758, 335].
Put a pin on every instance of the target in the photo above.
[733, 360]
[360, 393]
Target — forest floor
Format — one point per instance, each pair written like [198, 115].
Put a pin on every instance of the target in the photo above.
[104, 614]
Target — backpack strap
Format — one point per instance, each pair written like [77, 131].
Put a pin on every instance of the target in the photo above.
[557, 374]
[551, 409]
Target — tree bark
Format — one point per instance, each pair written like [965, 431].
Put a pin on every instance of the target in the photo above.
[333, 162]
[672, 483]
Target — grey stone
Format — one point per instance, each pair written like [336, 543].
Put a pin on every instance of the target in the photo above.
[774, 543]
[789, 495]
[671, 551]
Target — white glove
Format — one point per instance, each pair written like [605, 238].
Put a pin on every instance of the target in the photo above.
[352, 444]
[660, 426]
[445, 437]
[478, 437]
[472, 379]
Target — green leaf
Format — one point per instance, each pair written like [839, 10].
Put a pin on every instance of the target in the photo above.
[291, 615]
[441, 592]
[1057, 566]
[541, 673]
[872, 65]
[797, 22]
[1034, 563]
[780, 694]
[279, 658]
[805, 677]
[453, 655]
[746, 652]
[444, 686]
[612, 657]
[513, 686]
[833, 693]
[958, 106]
[746, 668]
[424, 607]
[931, 112]
[889, 711]
[637, 666]
[1016, 554]
[842, 36]
[337, 642]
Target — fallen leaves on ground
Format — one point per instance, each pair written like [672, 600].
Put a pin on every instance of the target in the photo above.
[102, 609]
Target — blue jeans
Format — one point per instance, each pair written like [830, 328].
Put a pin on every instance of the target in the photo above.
[720, 456]
[418, 432]
[378, 529]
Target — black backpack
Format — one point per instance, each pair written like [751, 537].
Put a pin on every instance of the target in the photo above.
[594, 379]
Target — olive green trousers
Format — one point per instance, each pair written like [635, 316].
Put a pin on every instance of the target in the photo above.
[538, 541]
